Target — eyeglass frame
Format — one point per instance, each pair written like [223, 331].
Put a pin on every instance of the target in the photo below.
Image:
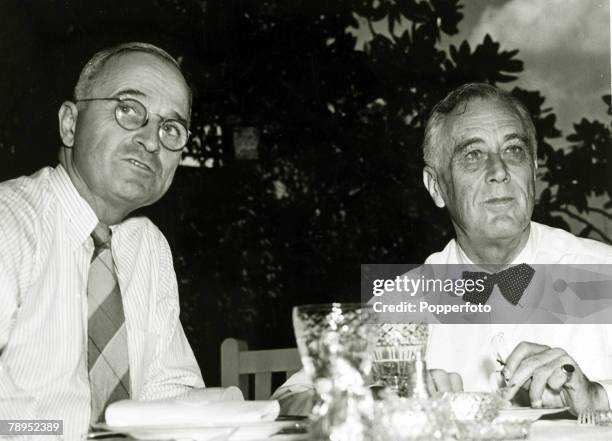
[145, 122]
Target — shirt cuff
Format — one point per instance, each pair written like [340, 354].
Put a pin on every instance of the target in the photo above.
[297, 383]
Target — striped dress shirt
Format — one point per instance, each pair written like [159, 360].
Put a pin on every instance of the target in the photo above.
[45, 253]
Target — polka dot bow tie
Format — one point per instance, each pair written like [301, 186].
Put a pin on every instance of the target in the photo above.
[512, 283]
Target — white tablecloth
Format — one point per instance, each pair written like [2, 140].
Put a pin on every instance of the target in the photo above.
[568, 430]
[545, 430]
[550, 430]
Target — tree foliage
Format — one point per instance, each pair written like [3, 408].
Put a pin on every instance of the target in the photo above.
[338, 179]
[578, 179]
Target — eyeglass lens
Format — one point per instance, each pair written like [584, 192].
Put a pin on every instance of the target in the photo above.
[132, 115]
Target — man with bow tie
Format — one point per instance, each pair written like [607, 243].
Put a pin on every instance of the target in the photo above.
[480, 156]
[480, 164]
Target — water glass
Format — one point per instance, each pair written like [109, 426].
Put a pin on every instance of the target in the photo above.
[336, 347]
[399, 359]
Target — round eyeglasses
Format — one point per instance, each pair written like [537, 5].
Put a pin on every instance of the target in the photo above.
[131, 114]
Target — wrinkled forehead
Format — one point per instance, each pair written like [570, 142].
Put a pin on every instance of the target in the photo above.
[158, 83]
[482, 111]
[481, 116]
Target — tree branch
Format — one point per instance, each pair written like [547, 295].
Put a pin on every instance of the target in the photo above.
[371, 28]
[603, 235]
[391, 28]
[600, 211]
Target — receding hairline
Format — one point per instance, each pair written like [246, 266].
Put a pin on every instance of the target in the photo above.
[457, 102]
[462, 108]
[97, 63]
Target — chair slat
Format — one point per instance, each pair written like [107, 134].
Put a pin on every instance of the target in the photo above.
[270, 360]
[263, 385]
[237, 362]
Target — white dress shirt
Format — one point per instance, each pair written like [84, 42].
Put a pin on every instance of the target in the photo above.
[45, 252]
[470, 349]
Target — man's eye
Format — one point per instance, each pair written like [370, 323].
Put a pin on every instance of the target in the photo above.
[515, 149]
[171, 130]
[127, 109]
[473, 155]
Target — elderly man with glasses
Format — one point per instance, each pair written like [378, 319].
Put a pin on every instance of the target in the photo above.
[90, 310]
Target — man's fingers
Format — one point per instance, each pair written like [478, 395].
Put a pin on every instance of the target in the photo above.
[527, 369]
[456, 382]
[559, 377]
[542, 376]
[548, 375]
[519, 353]
[527, 384]
[441, 380]
[529, 365]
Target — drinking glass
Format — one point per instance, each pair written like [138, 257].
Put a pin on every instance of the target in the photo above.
[336, 347]
[399, 358]
[410, 412]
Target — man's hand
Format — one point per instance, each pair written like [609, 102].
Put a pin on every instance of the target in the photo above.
[439, 380]
[552, 378]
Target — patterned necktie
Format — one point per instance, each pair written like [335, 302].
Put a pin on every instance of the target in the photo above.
[109, 375]
[512, 283]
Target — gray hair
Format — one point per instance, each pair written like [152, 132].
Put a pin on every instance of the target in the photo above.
[462, 96]
[95, 65]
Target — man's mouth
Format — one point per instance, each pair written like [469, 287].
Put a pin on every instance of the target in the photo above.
[140, 165]
[499, 201]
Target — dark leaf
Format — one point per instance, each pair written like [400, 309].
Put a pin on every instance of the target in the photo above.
[606, 99]
[545, 197]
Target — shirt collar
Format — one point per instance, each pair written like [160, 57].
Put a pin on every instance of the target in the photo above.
[460, 256]
[528, 253]
[78, 212]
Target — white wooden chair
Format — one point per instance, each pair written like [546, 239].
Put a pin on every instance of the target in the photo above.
[238, 363]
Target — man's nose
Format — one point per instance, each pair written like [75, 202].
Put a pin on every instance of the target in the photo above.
[147, 137]
[497, 170]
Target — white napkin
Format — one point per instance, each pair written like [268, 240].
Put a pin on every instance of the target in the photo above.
[231, 393]
[189, 411]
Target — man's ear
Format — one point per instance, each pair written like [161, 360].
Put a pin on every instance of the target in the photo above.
[430, 179]
[67, 122]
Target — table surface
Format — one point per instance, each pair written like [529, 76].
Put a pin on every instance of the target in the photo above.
[542, 430]
[568, 430]
[549, 430]
[557, 430]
